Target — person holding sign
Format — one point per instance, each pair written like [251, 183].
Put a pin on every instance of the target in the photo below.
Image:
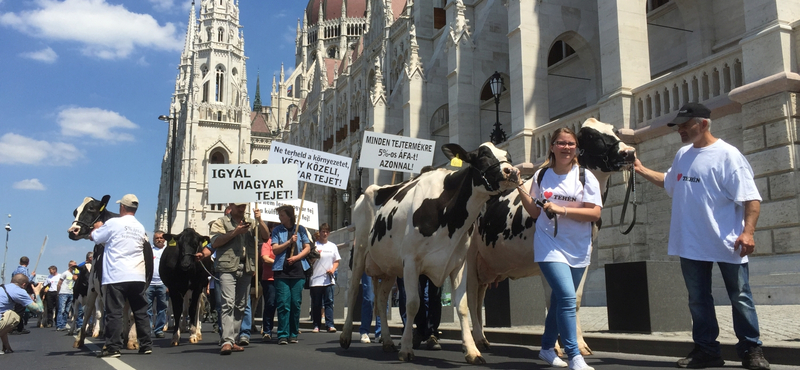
[233, 238]
[290, 245]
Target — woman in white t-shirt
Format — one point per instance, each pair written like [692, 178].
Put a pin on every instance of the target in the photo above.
[322, 280]
[563, 248]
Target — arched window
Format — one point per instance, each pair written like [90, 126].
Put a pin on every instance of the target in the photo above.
[217, 157]
[220, 83]
[205, 92]
[220, 34]
[255, 161]
[333, 52]
[204, 70]
[558, 52]
[219, 115]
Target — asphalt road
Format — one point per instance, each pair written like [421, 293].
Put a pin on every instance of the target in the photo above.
[48, 349]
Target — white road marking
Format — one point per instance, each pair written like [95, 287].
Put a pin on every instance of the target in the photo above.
[116, 363]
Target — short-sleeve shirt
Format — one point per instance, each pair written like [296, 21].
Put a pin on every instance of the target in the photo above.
[67, 284]
[573, 243]
[123, 259]
[708, 186]
[52, 282]
[18, 295]
[328, 254]
[284, 270]
[266, 250]
[156, 280]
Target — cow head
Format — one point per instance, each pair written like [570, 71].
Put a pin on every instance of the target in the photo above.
[188, 242]
[601, 149]
[88, 212]
[491, 166]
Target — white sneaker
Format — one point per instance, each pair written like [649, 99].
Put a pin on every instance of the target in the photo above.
[578, 363]
[550, 356]
[365, 338]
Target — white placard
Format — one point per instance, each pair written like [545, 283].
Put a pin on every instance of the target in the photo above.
[313, 166]
[395, 153]
[245, 183]
[309, 218]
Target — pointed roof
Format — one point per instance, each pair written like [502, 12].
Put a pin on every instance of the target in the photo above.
[257, 102]
[332, 9]
[331, 66]
[258, 123]
[189, 32]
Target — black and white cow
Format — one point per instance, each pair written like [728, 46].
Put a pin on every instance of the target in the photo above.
[502, 247]
[186, 279]
[421, 226]
[86, 215]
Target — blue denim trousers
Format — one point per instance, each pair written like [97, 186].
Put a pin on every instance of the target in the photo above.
[157, 296]
[561, 315]
[64, 305]
[705, 328]
[247, 320]
[322, 297]
[268, 318]
[367, 304]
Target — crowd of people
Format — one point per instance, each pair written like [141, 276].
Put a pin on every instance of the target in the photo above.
[715, 208]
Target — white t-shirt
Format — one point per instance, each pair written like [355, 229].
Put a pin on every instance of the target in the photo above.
[573, 244]
[123, 259]
[156, 280]
[67, 284]
[52, 282]
[708, 187]
[328, 254]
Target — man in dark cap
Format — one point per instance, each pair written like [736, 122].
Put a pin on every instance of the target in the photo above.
[715, 207]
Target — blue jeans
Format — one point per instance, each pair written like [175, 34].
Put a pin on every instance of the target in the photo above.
[157, 296]
[288, 297]
[268, 318]
[322, 296]
[367, 302]
[64, 305]
[561, 317]
[79, 319]
[705, 328]
[247, 320]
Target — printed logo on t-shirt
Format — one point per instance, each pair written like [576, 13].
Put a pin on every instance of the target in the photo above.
[688, 178]
[548, 194]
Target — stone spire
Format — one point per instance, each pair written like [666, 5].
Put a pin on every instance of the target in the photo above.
[257, 101]
[274, 85]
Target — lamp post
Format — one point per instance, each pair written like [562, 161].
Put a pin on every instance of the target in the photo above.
[346, 200]
[496, 82]
[3, 272]
[171, 121]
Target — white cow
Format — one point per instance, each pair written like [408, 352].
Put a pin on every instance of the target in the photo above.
[502, 246]
[422, 226]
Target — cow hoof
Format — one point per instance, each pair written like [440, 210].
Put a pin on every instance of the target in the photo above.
[586, 351]
[193, 340]
[77, 344]
[344, 341]
[483, 345]
[175, 344]
[406, 356]
[389, 347]
[96, 335]
[475, 360]
[133, 346]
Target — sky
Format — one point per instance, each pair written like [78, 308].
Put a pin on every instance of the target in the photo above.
[81, 86]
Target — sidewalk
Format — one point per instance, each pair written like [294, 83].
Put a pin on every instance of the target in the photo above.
[780, 333]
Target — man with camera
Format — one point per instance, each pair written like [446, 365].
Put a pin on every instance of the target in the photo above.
[13, 302]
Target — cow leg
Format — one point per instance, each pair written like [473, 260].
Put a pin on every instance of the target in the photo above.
[459, 286]
[177, 310]
[584, 348]
[99, 323]
[187, 301]
[383, 289]
[411, 283]
[128, 322]
[475, 290]
[73, 319]
[88, 309]
[359, 255]
[194, 316]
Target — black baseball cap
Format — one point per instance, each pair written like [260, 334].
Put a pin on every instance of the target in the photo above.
[690, 110]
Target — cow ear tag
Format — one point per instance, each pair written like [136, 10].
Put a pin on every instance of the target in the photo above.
[102, 207]
[205, 243]
[172, 243]
[456, 162]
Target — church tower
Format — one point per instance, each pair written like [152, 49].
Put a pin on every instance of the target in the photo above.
[211, 111]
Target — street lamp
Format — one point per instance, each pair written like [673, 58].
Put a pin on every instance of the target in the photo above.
[171, 121]
[346, 197]
[496, 82]
[3, 272]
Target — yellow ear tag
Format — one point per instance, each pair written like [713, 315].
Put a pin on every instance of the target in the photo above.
[173, 243]
[102, 207]
[205, 243]
[455, 162]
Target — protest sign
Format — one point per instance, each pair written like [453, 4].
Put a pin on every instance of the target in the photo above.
[313, 166]
[245, 183]
[395, 153]
[309, 217]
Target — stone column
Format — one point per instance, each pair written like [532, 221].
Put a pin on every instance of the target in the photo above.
[624, 57]
[768, 33]
[463, 98]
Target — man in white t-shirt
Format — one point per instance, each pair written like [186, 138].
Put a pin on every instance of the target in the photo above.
[124, 275]
[51, 297]
[65, 283]
[715, 208]
[322, 280]
[157, 293]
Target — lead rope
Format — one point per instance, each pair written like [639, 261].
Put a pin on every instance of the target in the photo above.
[540, 203]
[631, 189]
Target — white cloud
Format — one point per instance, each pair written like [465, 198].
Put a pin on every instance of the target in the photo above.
[96, 123]
[162, 5]
[29, 184]
[106, 31]
[142, 62]
[47, 55]
[18, 149]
